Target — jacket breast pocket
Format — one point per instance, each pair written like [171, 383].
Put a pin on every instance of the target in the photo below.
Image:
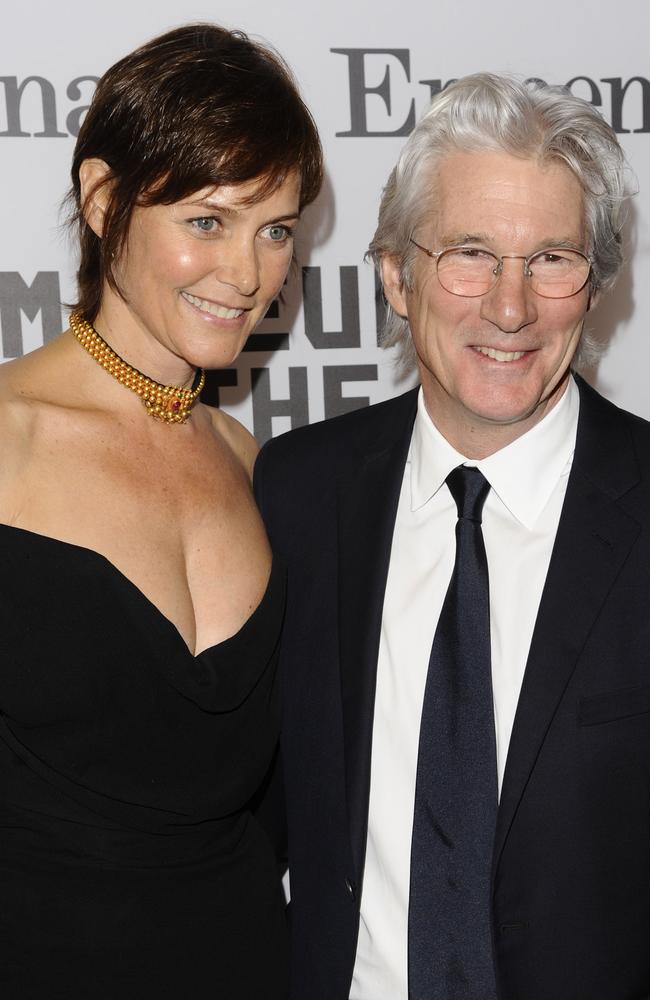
[612, 705]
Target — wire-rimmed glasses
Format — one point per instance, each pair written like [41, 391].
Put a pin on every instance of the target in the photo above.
[554, 273]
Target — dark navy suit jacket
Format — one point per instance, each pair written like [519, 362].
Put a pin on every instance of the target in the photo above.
[571, 872]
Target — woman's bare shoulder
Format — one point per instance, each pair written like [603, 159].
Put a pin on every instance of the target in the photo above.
[29, 387]
[17, 396]
[20, 411]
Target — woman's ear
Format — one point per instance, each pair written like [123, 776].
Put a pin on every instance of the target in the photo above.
[94, 181]
[392, 281]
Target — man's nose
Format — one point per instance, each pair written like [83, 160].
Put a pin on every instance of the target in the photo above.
[510, 305]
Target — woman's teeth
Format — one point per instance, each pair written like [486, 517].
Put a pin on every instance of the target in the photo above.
[211, 307]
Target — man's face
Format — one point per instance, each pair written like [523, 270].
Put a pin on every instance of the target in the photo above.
[493, 365]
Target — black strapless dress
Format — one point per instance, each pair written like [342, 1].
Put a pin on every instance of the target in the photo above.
[130, 864]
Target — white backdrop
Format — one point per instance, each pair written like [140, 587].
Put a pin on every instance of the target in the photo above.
[320, 349]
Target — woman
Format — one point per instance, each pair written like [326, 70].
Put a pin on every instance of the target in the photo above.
[141, 610]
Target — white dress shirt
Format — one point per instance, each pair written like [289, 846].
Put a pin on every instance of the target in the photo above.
[528, 482]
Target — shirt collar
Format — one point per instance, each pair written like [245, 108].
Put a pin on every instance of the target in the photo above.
[523, 474]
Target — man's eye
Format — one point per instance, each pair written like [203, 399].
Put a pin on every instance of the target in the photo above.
[473, 253]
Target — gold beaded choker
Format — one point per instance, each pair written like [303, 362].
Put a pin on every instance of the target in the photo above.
[165, 402]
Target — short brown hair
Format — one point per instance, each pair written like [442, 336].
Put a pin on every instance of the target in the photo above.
[196, 107]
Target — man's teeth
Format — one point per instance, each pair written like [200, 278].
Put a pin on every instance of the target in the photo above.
[211, 307]
[491, 352]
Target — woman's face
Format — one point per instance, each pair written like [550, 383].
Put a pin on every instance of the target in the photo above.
[198, 275]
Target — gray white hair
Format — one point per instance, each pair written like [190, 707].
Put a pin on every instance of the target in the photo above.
[485, 111]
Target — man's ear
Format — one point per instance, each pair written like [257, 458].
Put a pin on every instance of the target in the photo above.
[594, 298]
[94, 181]
[393, 285]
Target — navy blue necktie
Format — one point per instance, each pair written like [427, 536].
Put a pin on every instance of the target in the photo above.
[450, 939]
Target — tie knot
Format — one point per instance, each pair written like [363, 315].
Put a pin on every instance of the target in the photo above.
[469, 488]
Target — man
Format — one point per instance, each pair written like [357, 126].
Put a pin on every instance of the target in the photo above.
[467, 705]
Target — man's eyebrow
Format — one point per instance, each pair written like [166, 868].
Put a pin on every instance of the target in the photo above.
[471, 239]
[460, 238]
[563, 242]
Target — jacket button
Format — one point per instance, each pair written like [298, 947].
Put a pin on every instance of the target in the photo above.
[350, 886]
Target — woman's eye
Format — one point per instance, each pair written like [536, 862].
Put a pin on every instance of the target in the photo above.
[205, 224]
[278, 234]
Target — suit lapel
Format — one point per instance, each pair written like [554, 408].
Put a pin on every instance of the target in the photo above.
[593, 541]
[367, 506]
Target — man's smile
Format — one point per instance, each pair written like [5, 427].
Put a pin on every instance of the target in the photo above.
[496, 355]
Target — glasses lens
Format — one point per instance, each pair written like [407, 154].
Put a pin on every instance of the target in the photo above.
[557, 273]
[467, 271]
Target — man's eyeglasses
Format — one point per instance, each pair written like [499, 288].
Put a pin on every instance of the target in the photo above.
[554, 273]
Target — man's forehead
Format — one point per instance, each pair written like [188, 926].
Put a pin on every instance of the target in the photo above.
[479, 196]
